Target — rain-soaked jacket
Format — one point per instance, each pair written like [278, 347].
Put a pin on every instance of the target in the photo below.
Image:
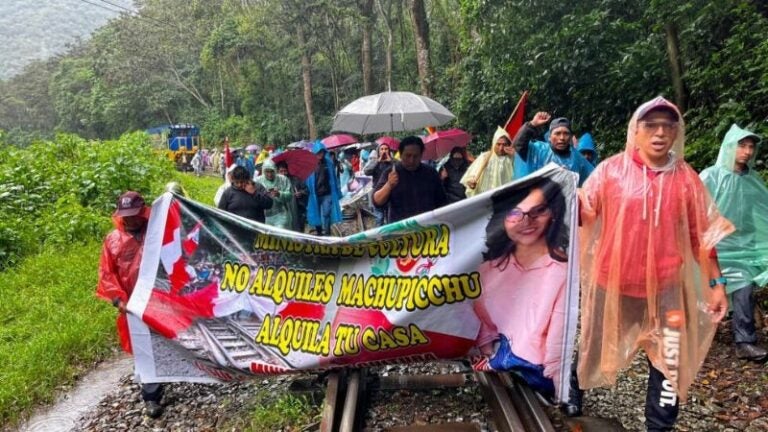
[119, 270]
[586, 143]
[279, 215]
[646, 240]
[743, 199]
[313, 206]
[489, 170]
[536, 154]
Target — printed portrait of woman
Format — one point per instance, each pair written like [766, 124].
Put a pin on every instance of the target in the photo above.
[523, 275]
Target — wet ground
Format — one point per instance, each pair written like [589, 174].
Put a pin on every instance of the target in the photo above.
[90, 389]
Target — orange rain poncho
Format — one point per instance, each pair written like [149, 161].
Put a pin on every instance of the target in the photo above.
[119, 270]
[646, 244]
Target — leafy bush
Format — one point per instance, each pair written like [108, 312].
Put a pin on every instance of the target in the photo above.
[61, 191]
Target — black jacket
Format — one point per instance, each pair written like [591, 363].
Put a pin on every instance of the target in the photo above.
[454, 190]
[243, 204]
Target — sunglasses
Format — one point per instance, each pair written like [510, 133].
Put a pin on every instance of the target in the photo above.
[653, 126]
[516, 215]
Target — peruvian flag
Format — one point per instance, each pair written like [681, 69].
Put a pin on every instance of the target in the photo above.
[228, 160]
[170, 253]
[192, 240]
[517, 118]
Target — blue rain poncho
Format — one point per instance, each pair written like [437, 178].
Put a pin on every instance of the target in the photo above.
[586, 143]
[282, 205]
[313, 207]
[536, 154]
[743, 199]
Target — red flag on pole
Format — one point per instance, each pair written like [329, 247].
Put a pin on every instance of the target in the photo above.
[227, 154]
[517, 118]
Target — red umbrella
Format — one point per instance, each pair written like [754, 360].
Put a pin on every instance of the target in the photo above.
[301, 163]
[338, 140]
[392, 143]
[440, 143]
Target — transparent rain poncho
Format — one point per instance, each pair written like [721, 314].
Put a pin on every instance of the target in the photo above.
[280, 213]
[489, 170]
[743, 199]
[646, 241]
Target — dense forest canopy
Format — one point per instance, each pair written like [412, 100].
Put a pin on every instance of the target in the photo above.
[40, 29]
[270, 71]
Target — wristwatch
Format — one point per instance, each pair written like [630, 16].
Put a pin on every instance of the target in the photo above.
[719, 281]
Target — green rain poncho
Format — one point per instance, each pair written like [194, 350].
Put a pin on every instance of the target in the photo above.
[280, 213]
[743, 199]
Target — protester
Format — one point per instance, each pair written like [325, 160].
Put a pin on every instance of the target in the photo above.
[323, 209]
[347, 173]
[451, 173]
[526, 242]
[586, 146]
[379, 163]
[300, 197]
[224, 186]
[245, 198]
[559, 150]
[492, 168]
[118, 272]
[197, 164]
[649, 278]
[279, 189]
[246, 161]
[742, 197]
[410, 187]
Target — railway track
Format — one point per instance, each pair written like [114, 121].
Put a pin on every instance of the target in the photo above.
[227, 342]
[513, 406]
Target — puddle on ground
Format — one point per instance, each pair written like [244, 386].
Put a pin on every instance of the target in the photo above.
[86, 394]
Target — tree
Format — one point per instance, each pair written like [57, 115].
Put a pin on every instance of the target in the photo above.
[421, 36]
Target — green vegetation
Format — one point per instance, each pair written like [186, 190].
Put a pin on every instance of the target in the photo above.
[276, 71]
[53, 327]
[54, 193]
[56, 198]
[271, 411]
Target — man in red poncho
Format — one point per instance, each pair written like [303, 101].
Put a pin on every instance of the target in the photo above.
[119, 270]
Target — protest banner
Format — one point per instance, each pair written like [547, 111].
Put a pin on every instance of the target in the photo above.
[491, 279]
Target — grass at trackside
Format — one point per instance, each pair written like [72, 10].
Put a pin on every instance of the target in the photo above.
[201, 188]
[52, 327]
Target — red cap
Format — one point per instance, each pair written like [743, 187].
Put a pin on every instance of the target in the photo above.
[129, 204]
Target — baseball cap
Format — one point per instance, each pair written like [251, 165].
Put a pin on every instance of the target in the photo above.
[129, 204]
[657, 104]
[560, 122]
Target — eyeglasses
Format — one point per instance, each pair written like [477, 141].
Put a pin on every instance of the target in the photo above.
[653, 126]
[516, 215]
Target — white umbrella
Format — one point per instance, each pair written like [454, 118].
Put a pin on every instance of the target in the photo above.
[390, 112]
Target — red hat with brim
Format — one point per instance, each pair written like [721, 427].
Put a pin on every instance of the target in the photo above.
[129, 204]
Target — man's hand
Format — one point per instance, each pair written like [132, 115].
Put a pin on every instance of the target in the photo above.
[274, 193]
[718, 303]
[443, 174]
[121, 306]
[541, 118]
[392, 178]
